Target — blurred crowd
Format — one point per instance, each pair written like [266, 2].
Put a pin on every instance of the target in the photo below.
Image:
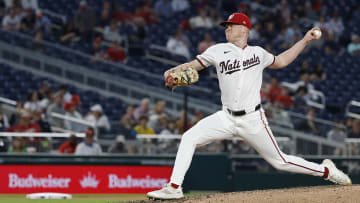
[276, 26]
[52, 109]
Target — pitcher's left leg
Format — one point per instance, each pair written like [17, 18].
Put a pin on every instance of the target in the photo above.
[265, 144]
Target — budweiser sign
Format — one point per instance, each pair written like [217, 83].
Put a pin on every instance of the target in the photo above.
[42, 182]
[82, 178]
[130, 182]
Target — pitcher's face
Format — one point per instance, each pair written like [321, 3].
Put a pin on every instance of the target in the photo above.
[234, 32]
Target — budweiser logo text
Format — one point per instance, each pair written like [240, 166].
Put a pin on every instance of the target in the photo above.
[130, 182]
[32, 182]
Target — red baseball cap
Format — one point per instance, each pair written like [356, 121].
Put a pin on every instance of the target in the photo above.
[238, 18]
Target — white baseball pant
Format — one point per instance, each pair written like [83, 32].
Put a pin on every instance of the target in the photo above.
[253, 128]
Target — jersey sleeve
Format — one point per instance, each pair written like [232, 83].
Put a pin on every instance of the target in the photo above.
[268, 58]
[207, 58]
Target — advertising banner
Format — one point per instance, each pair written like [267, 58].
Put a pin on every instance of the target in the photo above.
[82, 178]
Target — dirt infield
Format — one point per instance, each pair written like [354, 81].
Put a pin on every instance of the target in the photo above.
[333, 193]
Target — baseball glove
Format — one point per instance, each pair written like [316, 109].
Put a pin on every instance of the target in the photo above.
[182, 78]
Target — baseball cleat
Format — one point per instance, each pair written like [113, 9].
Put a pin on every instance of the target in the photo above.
[167, 192]
[335, 175]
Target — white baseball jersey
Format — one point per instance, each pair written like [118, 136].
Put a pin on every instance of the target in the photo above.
[239, 73]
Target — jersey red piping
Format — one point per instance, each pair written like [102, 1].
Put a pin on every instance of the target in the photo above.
[277, 149]
[200, 62]
[273, 61]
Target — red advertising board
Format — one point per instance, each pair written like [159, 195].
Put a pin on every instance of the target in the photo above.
[82, 178]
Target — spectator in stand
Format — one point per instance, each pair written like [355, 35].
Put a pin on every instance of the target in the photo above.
[335, 26]
[25, 124]
[201, 21]
[318, 74]
[355, 130]
[281, 39]
[300, 98]
[309, 12]
[120, 15]
[98, 118]
[163, 8]
[128, 120]
[105, 15]
[308, 124]
[115, 53]
[56, 107]
[179, 5]
[146, 13]
[88, 146]
[137, 37]
[38, 41]
[317, 5]
[98, 51]
[304, 82]
[284, 100]
[85, 21]
[69, 33]
[29, 5]
[157, 112]
[18, 146]
[11, 21]
[304, 68]
[69, 146]
[255, 33]
[337, 133]
[354, 46]
[143, 109]
[142, 127]
[160, 124]
[28, 21]
[331, 47]
[285, 12]
[43, 90]
[12, 4]
[269, 32]
[118, 146]
[4, 121]
[111, 32]
[15, 117]
[70, 109]
[42, 22]
[206, 43]
[275, 89]
[292, 32]
[32, 103]
[38, 118]
[66, 95]
[2, 13]
[170, 129]
[179, 44]
[215, 17]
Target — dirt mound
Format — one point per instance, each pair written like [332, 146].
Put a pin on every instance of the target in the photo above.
[333, 193]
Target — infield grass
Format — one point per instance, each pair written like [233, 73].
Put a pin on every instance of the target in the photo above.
[77, 198]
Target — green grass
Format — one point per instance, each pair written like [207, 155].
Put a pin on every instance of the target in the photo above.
[77, 198]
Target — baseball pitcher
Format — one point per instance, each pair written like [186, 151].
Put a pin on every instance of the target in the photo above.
[239, 69]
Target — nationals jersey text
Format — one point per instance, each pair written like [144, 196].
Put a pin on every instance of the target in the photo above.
[239, 72]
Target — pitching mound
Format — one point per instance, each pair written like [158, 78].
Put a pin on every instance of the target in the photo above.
[333, 193]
